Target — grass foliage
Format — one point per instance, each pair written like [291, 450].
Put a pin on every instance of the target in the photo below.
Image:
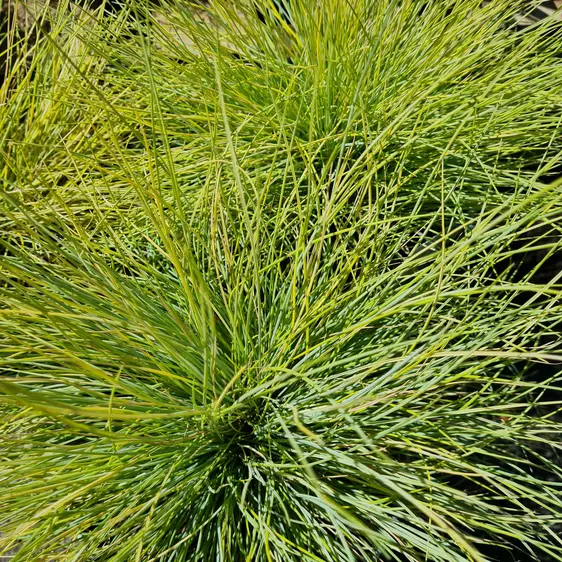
[263, 285]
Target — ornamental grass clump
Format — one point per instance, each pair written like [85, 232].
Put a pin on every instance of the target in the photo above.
[281, 283]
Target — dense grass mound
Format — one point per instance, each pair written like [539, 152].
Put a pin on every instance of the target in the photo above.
[278, 286]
